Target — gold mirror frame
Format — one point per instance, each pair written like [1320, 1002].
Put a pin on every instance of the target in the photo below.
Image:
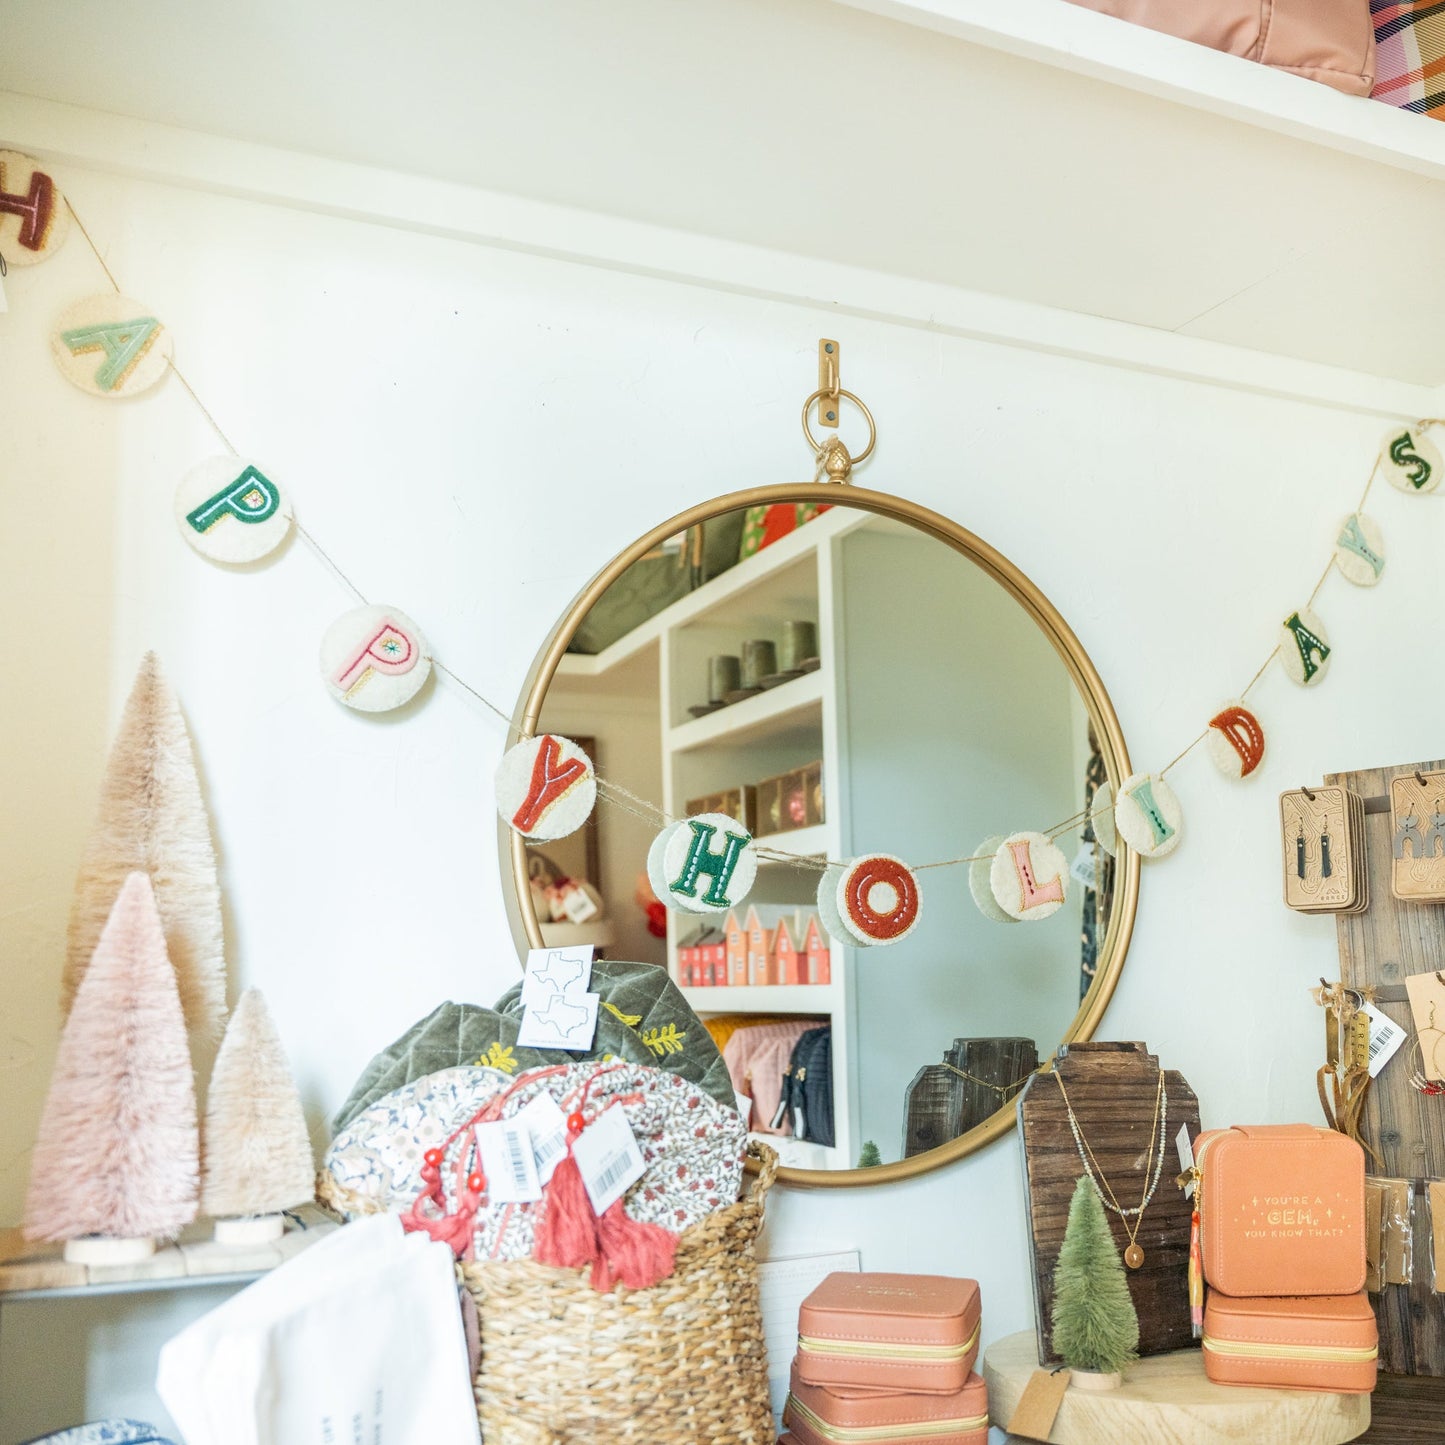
[527, 931]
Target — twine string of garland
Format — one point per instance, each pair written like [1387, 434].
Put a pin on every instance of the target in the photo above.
[613, 793]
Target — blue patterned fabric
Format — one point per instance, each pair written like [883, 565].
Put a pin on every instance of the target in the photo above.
[106, 1432]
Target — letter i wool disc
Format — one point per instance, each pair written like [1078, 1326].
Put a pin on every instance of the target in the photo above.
[374, 659]
[705, 864]
[34, 218]
[980, 883]
[1030, 877]
[546, 787]
[875, 900]
[110, 346]
[1101, 819]
[1148, 815]
[1360, 550]
[229, 510]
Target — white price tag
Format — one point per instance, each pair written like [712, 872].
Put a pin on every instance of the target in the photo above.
[1085, 867]
[578, 906]
[564, 1021]
[508, 1162]
[1186, 1156]
[1386, 1036]
[607, 1154]
[551, 972]
[547, 1125]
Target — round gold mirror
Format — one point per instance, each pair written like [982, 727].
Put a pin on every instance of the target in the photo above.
[844, 672]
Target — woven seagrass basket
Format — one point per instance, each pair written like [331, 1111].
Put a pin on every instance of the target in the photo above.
[682, 1363]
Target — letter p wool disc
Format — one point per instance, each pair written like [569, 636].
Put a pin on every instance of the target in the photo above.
[230, 511]
[374, 659]
[546, 787]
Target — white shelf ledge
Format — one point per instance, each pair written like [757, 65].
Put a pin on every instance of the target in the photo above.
[785, 705]
[781, 998]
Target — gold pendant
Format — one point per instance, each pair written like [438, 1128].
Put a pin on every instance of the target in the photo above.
[1133, 1256]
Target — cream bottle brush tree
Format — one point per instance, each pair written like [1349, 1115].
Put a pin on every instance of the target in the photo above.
[258, 1158]
[115, 1162]
[152, 820]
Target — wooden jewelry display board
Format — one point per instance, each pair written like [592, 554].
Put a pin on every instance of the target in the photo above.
[1379, 950]
[1113, 1088]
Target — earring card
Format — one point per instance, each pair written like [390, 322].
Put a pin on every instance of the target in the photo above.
[1427, 1006]
[1417, 837]
[1324, 864]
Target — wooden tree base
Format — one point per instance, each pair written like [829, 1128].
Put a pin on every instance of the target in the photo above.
[250, 1229]
[1165, 1400]
[103, 1250]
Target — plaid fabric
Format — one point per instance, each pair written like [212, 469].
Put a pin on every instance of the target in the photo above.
[1410, 56]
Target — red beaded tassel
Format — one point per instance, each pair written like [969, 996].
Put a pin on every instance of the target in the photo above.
[567, 1234]
[453, 1229]
[635, 1252]
[1196, 1277]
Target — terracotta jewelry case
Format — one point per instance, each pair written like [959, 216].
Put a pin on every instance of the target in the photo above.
[1320, 1342]
[1281, 1210]
[817, 1415]
[909, 1332]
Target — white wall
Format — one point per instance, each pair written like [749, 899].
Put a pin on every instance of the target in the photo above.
[472, 431]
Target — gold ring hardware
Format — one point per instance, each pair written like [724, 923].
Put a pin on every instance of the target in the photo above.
[837, 461]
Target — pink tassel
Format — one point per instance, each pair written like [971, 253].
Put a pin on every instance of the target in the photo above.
[567, 1231]
[635, 1252]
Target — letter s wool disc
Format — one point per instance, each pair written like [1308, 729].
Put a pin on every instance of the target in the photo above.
[229, 510]
[374, 659]
[705, 864]
[877, 900]
[546, 787]
[1030, 877]
[1148, 815]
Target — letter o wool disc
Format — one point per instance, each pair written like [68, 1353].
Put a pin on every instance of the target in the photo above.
[1236, 740]
[1304, 648]
[705, 864]
[35, 219]
[1101, 819]
[229, 510]
[1360, 550]
[110, 346]
[876, 900]
[1030, 877]
[980, 885]
[1148, 815]
[1410, 461]
[546, 787]
[374, 659]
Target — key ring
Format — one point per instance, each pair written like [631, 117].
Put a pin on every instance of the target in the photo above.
[820, 447]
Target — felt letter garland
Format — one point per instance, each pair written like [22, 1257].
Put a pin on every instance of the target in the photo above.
[1148, 816]
[1304, 648]
[705, 864]
[1030, 877]
[1236, 740]
[111, 347]
[374, 659]
[34, 218]
[546, 787]
[230, 511]
[1410, 461]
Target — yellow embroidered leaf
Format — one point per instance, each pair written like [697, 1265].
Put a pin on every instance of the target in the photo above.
[631, 1020]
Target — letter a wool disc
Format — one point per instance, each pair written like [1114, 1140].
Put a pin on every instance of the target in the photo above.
[1101, 819]
[110, 346]
[1148, 815]
[34, 218]
[876, 900]
[705, 864]
[1304, 648]
[374, 659]
[1236, 740]
[1410, 461]
[230, 510]
[1030, 877]
[980, 884]
[546, 787]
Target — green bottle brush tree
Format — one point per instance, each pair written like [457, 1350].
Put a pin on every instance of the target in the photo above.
[1095, 1328]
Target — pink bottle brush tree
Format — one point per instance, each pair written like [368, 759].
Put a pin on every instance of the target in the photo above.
[115, 1165]
[258, 1157]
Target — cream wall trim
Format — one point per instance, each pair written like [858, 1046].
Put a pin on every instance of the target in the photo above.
[1086, 43]
[74, 135]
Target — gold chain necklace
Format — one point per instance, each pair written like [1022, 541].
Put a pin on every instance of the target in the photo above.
[1134, 1254]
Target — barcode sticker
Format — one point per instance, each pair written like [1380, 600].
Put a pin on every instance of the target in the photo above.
[1084, 870]
[1386, 1036]
[508, 1162]
[1186, 1156]
[547, 1126]
[607, 1154]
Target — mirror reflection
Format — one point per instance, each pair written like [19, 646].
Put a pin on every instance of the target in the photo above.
[841, 683]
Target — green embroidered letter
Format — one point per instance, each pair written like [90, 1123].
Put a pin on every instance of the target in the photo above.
[718, 866]
[1144, 796]
[1353, 540]
[250, 498]
[1312, 651]
[124, 343]
[1403, 457]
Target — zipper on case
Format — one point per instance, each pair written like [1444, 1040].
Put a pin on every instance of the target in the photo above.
[864, 1349]
[1325, 1354]
[918, 1430]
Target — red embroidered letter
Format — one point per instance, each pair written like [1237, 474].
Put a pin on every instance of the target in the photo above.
[34, 209]
[549, 782]
[1245, 736]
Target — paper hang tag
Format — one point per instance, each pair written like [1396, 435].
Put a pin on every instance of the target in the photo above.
[553, 971]
[563, 1022]
[579, 907]
[546, 1128]
[508, 1162]
[1084, 870]
[609, 1159]
[1038, 1406]
[1186, 1157]
[1386, 1036]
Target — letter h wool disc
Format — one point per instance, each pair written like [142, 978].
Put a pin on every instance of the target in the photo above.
[546, 787]
[705, 864]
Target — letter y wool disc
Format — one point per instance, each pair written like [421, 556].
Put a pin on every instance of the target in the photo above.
[546, 787]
